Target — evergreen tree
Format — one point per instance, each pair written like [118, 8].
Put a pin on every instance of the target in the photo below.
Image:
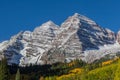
[17, 75]
[4, 72]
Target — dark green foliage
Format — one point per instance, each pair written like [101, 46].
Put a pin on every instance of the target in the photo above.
[34, 72]
[4, 72]
[93, 71]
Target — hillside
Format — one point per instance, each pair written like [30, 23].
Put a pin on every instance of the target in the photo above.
[109, 71]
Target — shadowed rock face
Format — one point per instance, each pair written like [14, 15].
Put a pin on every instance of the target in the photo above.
[83, 33]
[50, 43]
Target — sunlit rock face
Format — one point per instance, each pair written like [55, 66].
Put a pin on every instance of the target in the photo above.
[78, 37]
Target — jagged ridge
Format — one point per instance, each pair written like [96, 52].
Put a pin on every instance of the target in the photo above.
[77, 38]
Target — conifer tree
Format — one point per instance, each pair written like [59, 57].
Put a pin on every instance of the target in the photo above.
[4, 72]
[17, 75]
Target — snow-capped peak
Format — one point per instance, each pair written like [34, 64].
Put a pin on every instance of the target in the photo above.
[77, 15]
[49, 24]
[46, 26]
[77, 35]
[119, 32]
[84, 19]
[77, 20]
[108, 30]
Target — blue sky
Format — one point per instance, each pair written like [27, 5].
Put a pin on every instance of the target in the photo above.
[21, 15]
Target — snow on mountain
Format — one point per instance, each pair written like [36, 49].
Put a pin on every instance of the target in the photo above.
[3, 45]
[92, 55]
[78, 38]
[118, 37]
[38, 42]
[80, 34]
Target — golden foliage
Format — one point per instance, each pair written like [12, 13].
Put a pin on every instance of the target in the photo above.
[71, 63]
[71, 74]
[117, 73]
[110, 70]
[110, 61]
[76, 70]
[107, 62]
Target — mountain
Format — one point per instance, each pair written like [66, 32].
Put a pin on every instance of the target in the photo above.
[118, 37]
[77, 38]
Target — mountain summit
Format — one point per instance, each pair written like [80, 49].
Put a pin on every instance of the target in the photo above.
[77, 38]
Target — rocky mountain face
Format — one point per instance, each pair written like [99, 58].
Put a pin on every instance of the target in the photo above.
[118, 37]
[77, 38]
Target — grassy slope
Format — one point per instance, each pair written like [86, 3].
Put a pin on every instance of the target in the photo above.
[107, 72]
[103, 73]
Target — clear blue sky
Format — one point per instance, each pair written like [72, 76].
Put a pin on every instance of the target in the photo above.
[21, 15]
